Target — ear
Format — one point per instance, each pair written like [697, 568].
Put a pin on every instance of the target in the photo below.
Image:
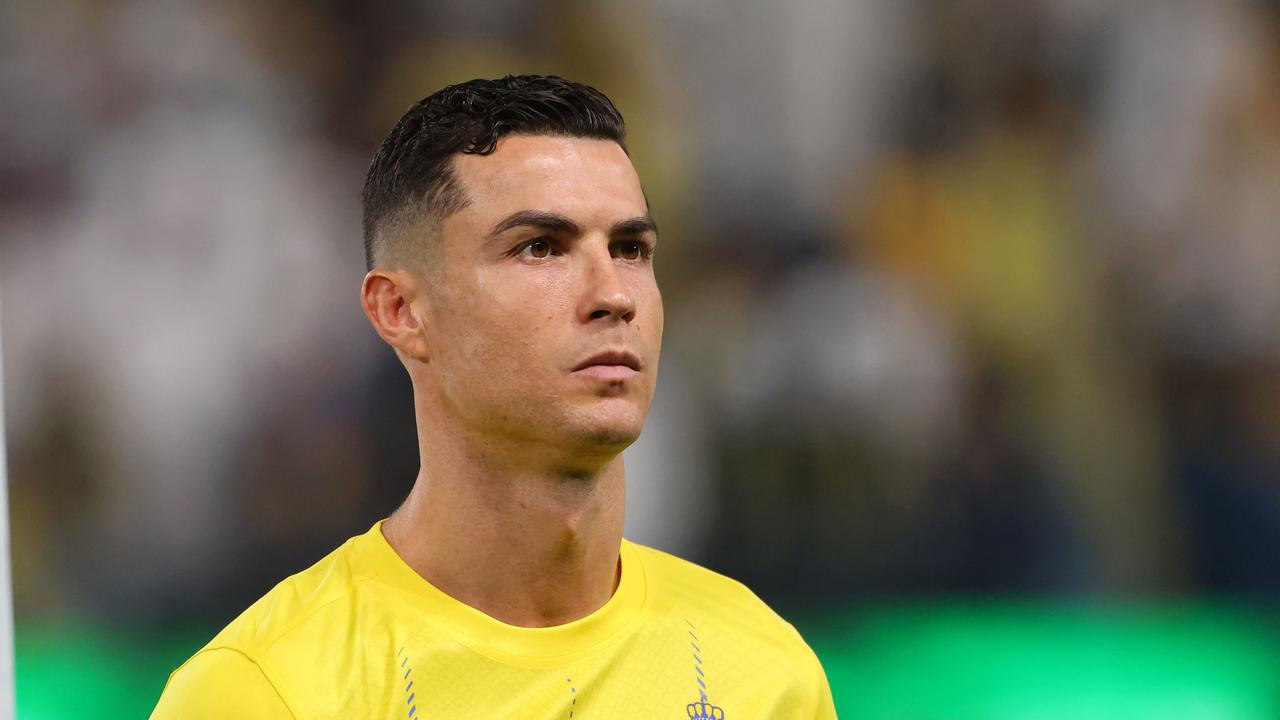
[387, 297]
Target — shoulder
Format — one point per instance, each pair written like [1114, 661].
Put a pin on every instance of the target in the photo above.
[294, 604]
[300, 611]
[688, 590]
[221, 683]
[724, 617]
[689, 586]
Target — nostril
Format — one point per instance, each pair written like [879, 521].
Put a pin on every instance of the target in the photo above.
[613, 306]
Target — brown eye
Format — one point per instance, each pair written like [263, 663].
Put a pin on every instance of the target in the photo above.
[631, 250]
[537, 249]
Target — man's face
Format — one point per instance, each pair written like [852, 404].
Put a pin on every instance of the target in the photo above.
[545, 321]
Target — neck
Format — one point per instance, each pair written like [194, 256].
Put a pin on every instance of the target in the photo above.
[528, 544]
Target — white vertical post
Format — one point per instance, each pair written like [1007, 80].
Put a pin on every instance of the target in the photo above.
[7, 700]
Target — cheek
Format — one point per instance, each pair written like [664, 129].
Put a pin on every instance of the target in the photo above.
[652, 320]
[485, 372]
[510, 330]
[659, 314]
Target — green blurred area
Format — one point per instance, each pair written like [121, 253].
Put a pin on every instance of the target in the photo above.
[934, 661]
[1007, 661]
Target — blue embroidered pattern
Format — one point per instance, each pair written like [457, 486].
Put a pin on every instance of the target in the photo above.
[703, 709]
[408, 688]
[697, 662]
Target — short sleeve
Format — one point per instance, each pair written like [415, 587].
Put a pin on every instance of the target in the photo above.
[220, 683]
[826, 709]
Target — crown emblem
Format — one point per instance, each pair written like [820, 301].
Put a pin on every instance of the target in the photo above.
[704, 711]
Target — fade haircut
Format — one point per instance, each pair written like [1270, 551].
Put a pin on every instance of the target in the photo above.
[411, 178]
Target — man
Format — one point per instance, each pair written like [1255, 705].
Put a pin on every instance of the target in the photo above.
[510, 252]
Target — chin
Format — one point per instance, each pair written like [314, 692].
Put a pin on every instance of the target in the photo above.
[614, 429]
[618, 439]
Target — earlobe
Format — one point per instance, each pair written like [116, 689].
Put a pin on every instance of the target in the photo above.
[387, 297]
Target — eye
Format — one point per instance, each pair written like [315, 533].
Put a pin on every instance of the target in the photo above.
[632, 250]
[537, 248]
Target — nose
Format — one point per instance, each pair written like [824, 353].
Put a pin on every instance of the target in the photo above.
[606, 294]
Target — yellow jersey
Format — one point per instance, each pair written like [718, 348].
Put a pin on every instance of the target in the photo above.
[361, 635]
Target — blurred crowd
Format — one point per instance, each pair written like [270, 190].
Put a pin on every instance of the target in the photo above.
[976, 298]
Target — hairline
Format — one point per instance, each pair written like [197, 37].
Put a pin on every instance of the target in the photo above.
[389, 236]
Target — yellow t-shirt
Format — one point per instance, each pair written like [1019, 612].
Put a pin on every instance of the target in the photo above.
[361, 635]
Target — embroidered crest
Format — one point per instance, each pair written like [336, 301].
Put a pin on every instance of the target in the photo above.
[704, 711]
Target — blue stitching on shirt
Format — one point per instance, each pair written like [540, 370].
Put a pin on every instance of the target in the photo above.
[408, 689]
[697, 662]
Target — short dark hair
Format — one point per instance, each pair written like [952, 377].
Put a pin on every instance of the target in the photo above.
[411, 175]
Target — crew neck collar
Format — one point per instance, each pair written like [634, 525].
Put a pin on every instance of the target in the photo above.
[511, 643]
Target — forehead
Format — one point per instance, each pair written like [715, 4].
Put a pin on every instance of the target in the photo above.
[585, 179]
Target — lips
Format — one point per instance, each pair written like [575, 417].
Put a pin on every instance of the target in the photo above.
[611, 358]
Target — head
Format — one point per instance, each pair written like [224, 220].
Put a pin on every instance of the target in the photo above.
[510, 248]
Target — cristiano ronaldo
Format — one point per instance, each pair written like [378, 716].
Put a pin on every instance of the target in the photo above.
[509, 248]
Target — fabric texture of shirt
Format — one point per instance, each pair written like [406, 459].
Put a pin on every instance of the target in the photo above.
[361, 635]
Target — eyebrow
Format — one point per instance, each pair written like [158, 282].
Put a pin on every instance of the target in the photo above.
[634, 226]
[556, 222]
[536, 218]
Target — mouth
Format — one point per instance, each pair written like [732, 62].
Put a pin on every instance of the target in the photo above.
[611, 358]
[610, 365]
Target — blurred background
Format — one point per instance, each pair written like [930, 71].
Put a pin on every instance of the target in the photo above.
[972, 362]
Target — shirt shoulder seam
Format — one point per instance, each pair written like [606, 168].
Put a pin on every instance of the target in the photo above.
[357, 578]
[276, 637]
[260, 665]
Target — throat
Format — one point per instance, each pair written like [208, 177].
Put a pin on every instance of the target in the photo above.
[530, 552]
